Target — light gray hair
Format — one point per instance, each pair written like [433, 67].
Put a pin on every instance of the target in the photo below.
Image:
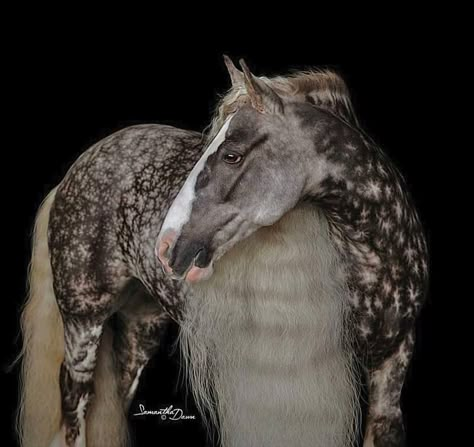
[267, 344]
[322, 87]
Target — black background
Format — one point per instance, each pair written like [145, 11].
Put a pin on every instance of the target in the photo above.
[73, 85]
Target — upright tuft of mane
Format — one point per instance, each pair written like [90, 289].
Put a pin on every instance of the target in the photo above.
[322, 87]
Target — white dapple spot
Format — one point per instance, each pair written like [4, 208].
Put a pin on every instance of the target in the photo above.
[134, 385]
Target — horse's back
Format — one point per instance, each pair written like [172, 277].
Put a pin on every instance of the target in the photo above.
[127, 152]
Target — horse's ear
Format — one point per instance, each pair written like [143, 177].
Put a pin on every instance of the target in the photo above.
[236, 76]
[262, 96]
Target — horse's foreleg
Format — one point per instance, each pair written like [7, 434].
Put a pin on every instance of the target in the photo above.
[82, 337]
[384, 423]
[141, 325]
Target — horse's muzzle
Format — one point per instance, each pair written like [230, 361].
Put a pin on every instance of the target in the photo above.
[180, 262]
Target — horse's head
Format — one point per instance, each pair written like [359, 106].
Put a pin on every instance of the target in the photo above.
[253, 171]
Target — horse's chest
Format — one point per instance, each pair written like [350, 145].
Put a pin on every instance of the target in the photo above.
[275, 324]
[272, 321]
[281, 352]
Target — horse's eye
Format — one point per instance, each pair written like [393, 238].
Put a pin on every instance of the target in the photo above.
[232, 158]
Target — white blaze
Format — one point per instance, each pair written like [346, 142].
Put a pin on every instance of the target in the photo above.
[180, 210]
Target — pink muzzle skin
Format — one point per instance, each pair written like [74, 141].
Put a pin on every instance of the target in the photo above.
[164, 244]
[194, 274]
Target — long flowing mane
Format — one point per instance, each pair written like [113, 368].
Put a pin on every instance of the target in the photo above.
[322, 87]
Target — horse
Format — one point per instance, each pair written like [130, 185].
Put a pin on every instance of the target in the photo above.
[283, 241]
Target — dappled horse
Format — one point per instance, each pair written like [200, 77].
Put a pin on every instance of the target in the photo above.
[283, 242]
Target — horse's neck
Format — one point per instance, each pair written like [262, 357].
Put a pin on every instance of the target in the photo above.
[270, 320]
[285, 276]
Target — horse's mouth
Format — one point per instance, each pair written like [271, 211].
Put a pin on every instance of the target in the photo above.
[194, 273]
[201, 265]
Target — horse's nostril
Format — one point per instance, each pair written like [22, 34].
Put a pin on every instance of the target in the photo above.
[201, 258]
[196, 256]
